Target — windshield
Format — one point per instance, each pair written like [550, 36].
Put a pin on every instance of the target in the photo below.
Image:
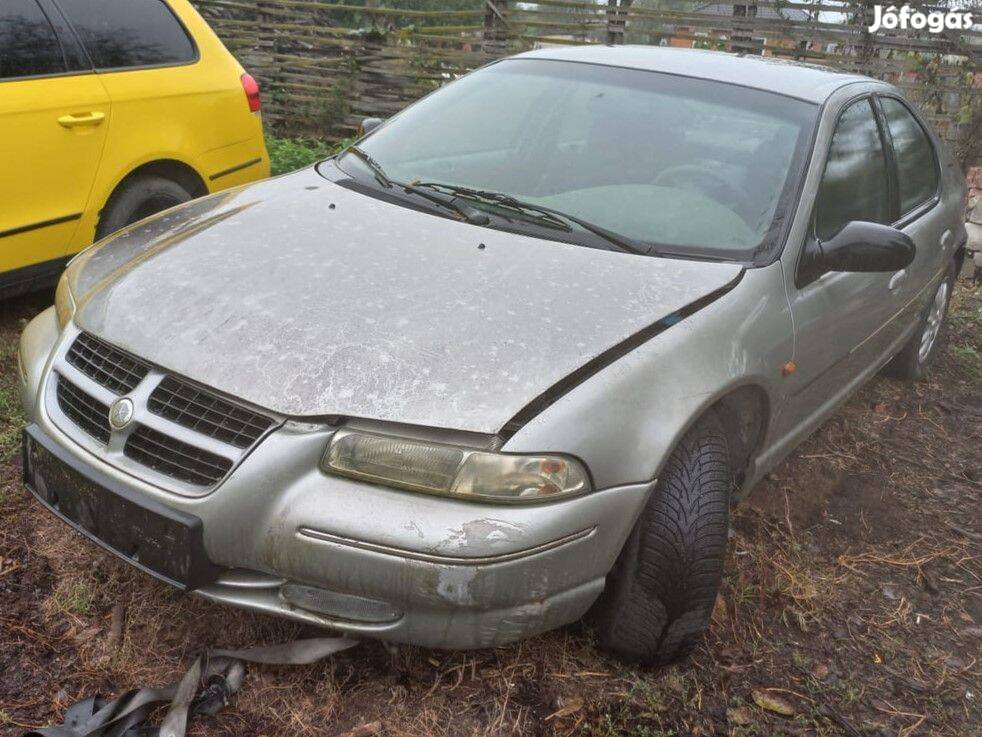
[698, 167]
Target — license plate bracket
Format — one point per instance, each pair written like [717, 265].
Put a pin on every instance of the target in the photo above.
[164, 542]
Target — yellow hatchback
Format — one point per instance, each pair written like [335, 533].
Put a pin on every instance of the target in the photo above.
[111, 111]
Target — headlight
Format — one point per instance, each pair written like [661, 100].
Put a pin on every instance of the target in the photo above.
[64, 302]
[435, 468]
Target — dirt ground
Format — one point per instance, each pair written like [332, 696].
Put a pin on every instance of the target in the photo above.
[852, 602]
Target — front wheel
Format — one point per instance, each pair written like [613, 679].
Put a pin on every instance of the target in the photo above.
[660, 594]
[911, 362]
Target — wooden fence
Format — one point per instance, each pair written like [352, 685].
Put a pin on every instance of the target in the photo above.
[324, 66]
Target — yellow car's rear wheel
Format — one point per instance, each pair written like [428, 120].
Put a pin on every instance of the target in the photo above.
[139, 197]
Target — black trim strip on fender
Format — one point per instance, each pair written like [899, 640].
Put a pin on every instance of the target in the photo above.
[602, 361]
[234, 169]
[38, 226]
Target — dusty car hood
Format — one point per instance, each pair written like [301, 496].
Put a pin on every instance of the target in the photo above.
[368, 309]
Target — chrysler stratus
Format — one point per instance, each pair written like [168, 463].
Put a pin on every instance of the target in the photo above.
[506, 361]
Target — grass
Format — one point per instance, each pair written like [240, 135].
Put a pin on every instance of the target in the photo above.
[11, 414]
[965, 327]
[970, 358]
[290, 154]
[75, 595]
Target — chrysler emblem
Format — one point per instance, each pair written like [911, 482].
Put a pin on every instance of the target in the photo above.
[121, 413]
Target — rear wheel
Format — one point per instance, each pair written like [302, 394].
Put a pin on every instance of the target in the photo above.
[911, 362]
[138, 198]
[661, 592]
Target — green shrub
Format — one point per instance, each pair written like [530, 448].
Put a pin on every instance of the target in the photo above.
[289, 154]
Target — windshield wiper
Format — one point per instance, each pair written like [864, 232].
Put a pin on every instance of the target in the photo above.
[372, 164]
[556, 218]
[470, 214]
[467, 212]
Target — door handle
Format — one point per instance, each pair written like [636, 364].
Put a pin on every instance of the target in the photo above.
[946, 240]
[897, 279]
[77, 119]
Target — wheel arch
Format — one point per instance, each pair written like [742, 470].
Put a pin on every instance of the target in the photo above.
[172, 169]
[745, 413]
[959, 258]
[177, 171]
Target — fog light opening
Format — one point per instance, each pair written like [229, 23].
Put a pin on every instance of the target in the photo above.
[338, 605]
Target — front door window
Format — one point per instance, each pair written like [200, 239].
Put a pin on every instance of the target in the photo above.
[854, 185]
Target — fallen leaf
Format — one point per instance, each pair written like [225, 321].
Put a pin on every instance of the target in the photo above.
[720, 615]
[770, 702]
[87, 634]
[570, 707]
[117, 619]
[369, 729]
[739, 716]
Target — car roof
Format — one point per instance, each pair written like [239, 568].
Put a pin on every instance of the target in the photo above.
[805, 81]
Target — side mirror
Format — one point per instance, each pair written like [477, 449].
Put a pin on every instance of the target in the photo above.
[368, 125]
[868, 247]
[860, 247]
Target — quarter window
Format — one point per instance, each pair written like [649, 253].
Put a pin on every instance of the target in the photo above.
[917, 171]
[28, 45]
[129, 33]
[854, 185]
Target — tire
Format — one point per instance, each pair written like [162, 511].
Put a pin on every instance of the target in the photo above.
[912, 361]
[138, 198]
[660, 594]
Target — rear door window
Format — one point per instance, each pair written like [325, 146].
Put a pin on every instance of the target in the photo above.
[854, 186]
[917, 168]
[120, 34]
[28, 45]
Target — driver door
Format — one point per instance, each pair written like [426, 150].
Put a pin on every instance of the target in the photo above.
[845, 322]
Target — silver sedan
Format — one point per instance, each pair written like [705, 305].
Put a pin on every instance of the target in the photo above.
[507, 360]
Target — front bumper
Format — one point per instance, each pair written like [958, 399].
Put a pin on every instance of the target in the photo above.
[280, 536]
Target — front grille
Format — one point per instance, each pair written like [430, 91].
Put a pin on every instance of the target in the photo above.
[210, 415]
[175, 458]
[106, 365]
[87, 412]
[189, 434]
